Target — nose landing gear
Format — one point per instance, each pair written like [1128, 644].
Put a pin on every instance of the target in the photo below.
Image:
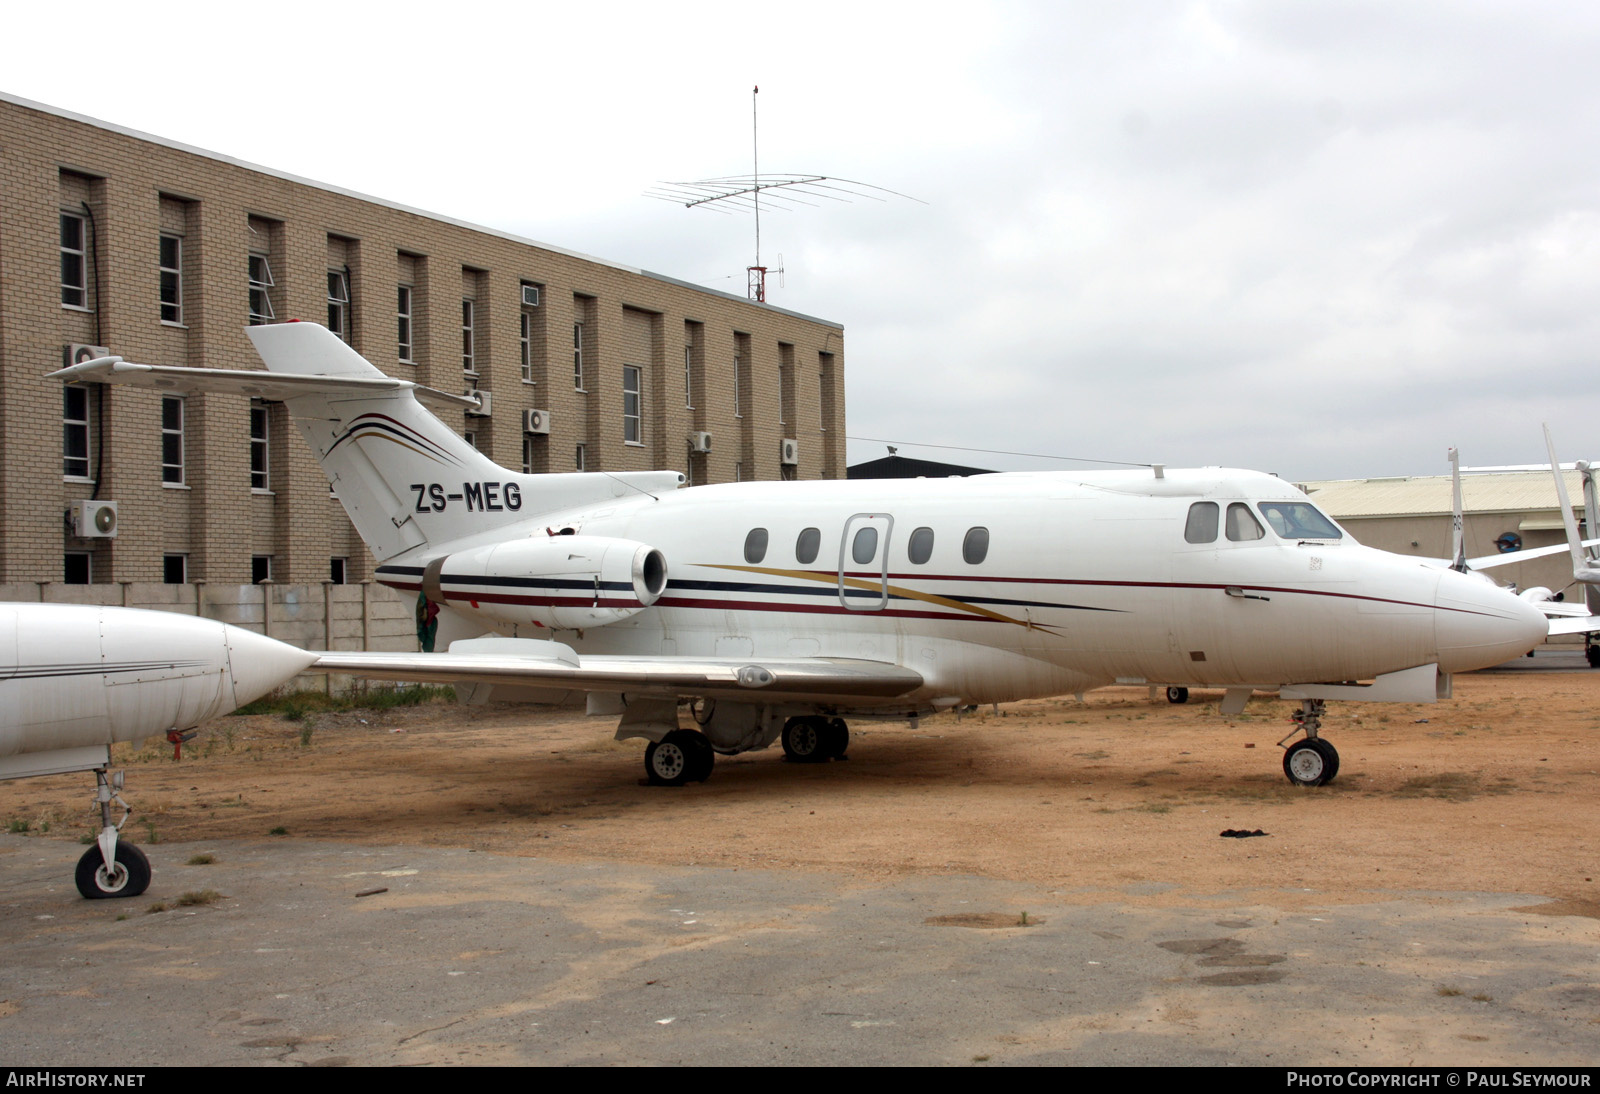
[1311, 761]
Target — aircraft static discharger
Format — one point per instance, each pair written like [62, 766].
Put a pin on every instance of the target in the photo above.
[776, 609]
[76, 679]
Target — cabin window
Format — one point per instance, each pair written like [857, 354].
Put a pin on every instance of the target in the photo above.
[920, 547]
[1242, 526]
[864, 546]
[975, 548]
[755, 545]
[1297, 520]
[807, 546]
[1202, 526]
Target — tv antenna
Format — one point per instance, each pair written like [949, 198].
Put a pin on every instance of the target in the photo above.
[743, 193]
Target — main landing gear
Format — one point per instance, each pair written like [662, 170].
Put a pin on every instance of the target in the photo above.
[1177, 695]
[814, 739]
[111, 868]
[1310, 761]
[682, 756]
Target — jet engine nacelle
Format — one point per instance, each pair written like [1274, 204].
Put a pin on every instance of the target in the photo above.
[565, 582]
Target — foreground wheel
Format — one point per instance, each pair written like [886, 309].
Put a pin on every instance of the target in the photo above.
[1592, 653]
[682, 756]
[836, 739]
[130, 878]
[702, 757]
[1311, 762]
[804, 740]
[1177, 695]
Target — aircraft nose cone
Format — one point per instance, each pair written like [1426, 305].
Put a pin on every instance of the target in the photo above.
[257, 664]
[1478, 624]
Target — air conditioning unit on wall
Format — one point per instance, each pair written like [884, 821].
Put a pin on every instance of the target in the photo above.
[536, 421]
[76, 353]
[700, 442]
[94, 519]
[485, 403]
[789, 452]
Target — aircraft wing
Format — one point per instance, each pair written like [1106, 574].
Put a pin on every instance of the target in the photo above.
[552, 665]
[1581, 625]
[259, 384]
[1486, 562]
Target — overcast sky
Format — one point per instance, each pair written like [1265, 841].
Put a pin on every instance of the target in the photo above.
[1322, 239]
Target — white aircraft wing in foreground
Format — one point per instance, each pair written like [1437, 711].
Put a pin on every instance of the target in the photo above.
[76, 679]
[776, 609]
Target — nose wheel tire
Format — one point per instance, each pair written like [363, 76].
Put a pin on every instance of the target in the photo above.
[130, 877]
[682, 756]
[1177, 695]
[1311, 762]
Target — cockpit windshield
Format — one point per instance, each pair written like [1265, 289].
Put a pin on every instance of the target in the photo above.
[1298, 520]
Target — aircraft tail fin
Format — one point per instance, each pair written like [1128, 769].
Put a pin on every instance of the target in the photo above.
[405, 478]
[1583, 567]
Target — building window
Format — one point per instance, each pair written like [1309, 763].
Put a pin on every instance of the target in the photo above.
[336, 570]
[404, 316]
[525, 346]
[471, 437]
[339, 303]
[260, 468]
[260, 569]
[577, 458]
[632, 427]
[577, 356]
[174, 569]
[260, 283]
[74, 264]
[75, 432]
[738, 367]
[467, 359]
[171, 265]
[688, 377]
[527, 455]
[172, 440]
[75, 568]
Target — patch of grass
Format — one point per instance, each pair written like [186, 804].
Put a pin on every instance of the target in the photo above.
[201, 860]
[295, 706]
[1481, 997]
[151, 835]
[1448, 992]
[17, 826]
[154, 908]
[1454, 786]
[193, 898]
[305, 732]
[280, 830]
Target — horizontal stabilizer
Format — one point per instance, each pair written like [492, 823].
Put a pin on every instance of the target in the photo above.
[256, 384]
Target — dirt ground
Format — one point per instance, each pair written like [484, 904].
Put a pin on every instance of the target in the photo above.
[1492, 791]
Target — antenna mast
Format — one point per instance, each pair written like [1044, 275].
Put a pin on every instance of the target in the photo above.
[757, 274]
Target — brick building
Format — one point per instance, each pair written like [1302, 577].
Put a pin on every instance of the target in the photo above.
[161, 253]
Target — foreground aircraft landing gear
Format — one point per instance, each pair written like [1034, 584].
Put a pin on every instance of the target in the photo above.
[815, 740]
[1177, 695]
[1310, 761]
[682, 756]
[111, 868]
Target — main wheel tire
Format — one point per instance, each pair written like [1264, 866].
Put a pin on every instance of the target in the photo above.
[837, 738]
[1592, 655]
[1306, 763]
[702, 757]
[1177, 695]
[667, 762]
[805, 740]
[130, 878]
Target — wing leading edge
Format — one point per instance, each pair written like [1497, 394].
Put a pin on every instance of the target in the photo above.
[522, 662]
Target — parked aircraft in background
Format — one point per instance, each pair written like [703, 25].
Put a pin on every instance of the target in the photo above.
[777, 609]
[76, 679]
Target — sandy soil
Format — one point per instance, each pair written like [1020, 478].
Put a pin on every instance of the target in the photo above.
[1494, 791]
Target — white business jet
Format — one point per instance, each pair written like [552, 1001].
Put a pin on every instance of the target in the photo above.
[776, 609]
[76, 679]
